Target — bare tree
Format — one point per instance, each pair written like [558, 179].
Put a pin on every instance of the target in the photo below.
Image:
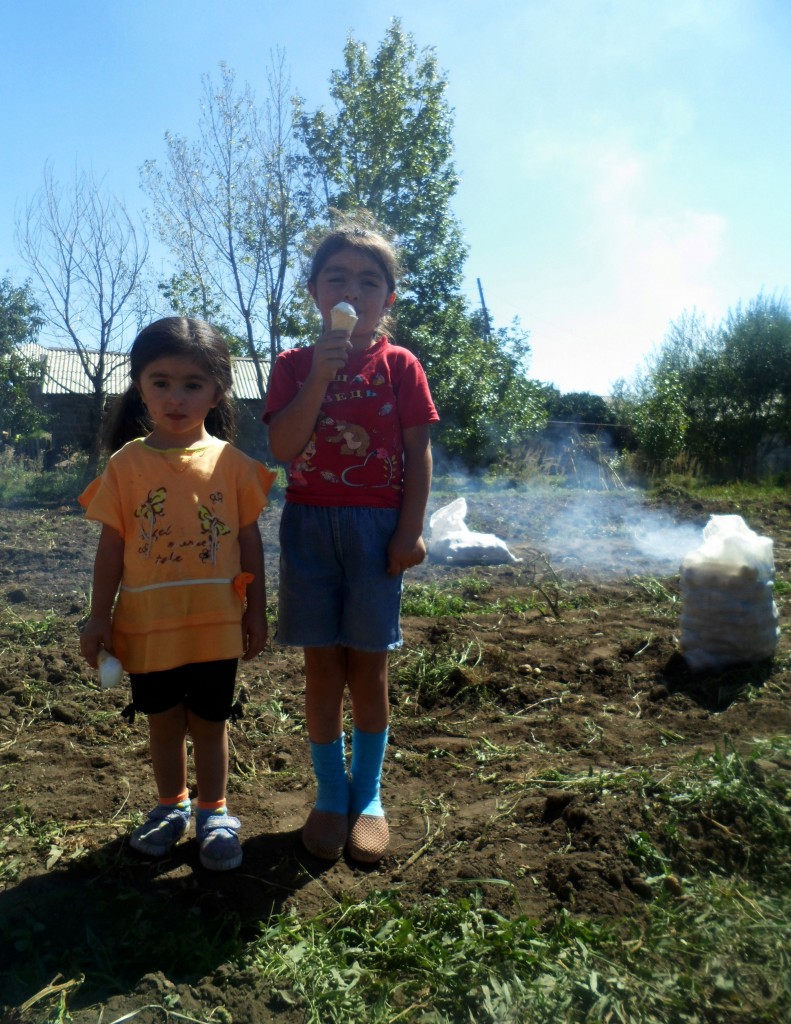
[87, 255]
[231, 210]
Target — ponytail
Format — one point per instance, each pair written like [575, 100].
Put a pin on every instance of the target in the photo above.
[127, 419]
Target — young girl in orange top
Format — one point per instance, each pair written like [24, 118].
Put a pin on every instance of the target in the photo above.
[181, 551]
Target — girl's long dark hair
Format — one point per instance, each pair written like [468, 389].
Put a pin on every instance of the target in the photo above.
[173, 336]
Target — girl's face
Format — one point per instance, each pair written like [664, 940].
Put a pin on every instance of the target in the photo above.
[355, 277]
[178, 393]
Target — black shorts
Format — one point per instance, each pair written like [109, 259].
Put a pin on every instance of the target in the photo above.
[205, 688]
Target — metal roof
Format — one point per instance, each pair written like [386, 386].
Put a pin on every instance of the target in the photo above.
[64, 373]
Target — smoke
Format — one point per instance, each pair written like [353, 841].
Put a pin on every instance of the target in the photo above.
[607, 532]
[615, 533]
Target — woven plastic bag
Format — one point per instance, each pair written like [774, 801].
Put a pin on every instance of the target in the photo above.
[728, 612]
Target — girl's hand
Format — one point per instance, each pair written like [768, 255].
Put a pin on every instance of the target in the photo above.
[96, 633]
[404, 552]
[255, 632]
[330, 353]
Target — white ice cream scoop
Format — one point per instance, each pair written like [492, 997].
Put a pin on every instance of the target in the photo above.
[343, 317]
[111, 670]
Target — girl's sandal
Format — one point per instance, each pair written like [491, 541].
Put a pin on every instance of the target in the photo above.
[220, 849]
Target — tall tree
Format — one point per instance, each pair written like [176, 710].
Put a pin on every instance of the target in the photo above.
[231, 209]
[388, 147]
[87, 256]
[20, 322]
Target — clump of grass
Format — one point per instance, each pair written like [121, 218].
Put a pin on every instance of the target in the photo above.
[655, 588]
[35, 632]
[428, 600]
[438, 672]
[741, 801]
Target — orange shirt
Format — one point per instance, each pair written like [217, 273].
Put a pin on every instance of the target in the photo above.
[179, 512]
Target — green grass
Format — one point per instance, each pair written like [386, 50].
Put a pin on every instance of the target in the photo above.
[544, 591]
[25, 480]
[718, 954]
[713, 946]
[429, 600]
[33, 632]
[712, 943]
[655, 588]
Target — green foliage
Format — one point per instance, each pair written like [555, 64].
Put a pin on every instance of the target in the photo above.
[742, 379]
[388, 148]
[487, 405]
[749, 800]
[428, 600]
[705, 947]
[578, 407]
[452, 959]
[20, 322]
[25, 480]
[721, 395]
[660, 421]
[438, 672]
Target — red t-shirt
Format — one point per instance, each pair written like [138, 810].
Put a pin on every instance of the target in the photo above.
[355, 455]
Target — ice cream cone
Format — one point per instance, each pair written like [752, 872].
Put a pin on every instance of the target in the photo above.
[343, 317]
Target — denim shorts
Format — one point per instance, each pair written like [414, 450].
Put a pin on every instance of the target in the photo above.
[204, 688]
[334, 587]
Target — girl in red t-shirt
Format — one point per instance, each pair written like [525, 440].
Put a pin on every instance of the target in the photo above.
[351, 416]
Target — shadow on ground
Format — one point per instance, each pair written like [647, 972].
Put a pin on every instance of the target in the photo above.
[113, 918]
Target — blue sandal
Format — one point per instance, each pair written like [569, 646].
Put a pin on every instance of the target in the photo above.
[220, 849]
[161, 830]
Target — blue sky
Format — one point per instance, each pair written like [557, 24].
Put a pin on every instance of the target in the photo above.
[621, 161]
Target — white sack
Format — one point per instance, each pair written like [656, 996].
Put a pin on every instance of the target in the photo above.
[450, 540]
[729, 615]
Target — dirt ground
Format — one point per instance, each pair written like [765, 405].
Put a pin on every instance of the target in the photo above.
[468, 783]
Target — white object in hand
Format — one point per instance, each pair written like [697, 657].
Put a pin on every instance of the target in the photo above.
[111, 670]
[343, 317]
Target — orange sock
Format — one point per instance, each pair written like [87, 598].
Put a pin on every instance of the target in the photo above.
[175, 801]
[215, 807]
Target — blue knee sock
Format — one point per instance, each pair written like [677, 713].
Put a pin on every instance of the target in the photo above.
[368, 754]
[329, 767]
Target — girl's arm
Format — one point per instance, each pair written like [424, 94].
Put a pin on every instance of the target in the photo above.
[291, 427]
[254, 625]
[406, 547]
[108, 568]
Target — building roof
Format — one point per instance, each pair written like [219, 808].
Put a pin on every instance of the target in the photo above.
[64, 373]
